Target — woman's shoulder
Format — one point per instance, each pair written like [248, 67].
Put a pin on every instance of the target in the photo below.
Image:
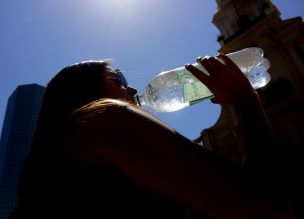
[97, 129]
[91, 127]
[111, 118]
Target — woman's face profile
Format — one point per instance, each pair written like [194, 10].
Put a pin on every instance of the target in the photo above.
[112, 87]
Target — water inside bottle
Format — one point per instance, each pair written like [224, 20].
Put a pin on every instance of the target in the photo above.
[173, 90]
[247, 58]
[167, 99]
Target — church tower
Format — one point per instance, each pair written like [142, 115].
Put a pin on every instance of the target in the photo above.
[257, 23]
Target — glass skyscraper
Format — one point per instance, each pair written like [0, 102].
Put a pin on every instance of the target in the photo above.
[18, 129]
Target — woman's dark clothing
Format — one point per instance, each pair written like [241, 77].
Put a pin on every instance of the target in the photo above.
[62, 187]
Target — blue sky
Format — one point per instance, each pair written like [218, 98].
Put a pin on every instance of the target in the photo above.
[142, 37]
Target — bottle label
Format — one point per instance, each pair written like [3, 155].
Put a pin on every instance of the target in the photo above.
[195, 91]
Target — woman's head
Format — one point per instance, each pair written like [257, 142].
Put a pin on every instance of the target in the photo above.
[114, 85]
[81, 83]
[76, 86]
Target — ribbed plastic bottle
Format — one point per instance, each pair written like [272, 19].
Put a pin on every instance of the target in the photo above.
[176, 89]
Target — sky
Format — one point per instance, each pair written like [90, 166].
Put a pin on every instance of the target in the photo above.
[38, 38]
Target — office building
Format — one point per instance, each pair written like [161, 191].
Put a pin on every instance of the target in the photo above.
[17, 133]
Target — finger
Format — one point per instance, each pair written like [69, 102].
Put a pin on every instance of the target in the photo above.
[228, 61]
[235, 70]
[212, 65]
[201, 76]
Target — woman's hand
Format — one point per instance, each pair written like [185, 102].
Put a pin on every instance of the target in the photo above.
[228, 84]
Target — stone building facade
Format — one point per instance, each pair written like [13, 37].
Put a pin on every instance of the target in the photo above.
[257, 23]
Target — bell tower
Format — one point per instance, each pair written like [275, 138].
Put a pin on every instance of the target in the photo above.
[247, 23]
[234, 17]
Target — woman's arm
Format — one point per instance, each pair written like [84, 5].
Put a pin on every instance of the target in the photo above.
[157, 158]
[231, 87]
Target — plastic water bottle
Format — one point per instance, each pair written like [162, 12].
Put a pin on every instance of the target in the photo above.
[176, 89]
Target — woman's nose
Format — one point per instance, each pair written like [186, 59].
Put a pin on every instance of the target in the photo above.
[131, 90]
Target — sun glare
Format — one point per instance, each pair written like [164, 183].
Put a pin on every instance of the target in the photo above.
[120, 13]
[121, 6]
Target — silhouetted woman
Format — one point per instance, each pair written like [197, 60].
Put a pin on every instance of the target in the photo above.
[96, 154]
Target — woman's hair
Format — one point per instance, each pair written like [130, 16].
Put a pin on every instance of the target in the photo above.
[72, 88]
[75, 86]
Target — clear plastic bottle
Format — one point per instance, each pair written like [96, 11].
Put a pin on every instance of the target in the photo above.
[176, 89]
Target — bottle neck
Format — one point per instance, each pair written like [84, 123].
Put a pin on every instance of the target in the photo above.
[140, 100]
